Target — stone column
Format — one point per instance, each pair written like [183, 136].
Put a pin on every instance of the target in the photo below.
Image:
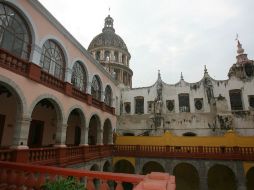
[61, 135]
[94, 55]
[21, 132]
[99, 137]
[84, 136]
[112, 56]
[120, 57]
[202, 176]
[102, 55]
[121, 76]
[240, 176]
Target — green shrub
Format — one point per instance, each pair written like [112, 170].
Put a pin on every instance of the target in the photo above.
[69, 183]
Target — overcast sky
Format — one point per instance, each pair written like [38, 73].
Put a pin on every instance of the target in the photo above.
[171, 35]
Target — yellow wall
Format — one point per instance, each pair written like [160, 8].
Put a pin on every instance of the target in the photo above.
[247, 166]
[229, 139]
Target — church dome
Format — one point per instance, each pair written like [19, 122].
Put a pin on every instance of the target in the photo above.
[108, 37]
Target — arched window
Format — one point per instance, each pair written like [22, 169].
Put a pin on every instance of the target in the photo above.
[78, 77]
[98, 56]
[108, 95]
[96, 88]
[52, 59]
[107, 56]
[14, 32]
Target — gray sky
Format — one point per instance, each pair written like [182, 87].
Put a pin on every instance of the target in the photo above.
[171, 35]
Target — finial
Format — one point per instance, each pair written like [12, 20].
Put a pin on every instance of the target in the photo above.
[205, 70]
[181, 76]
[159, 75]
[240, 50]
[109, 11]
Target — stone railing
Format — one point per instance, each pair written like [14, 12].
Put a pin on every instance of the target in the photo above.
[28, 176]
[35, 73]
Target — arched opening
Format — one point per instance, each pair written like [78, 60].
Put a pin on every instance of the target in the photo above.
[96, 88]
[98, 55]
[107, 132]
[221, 177]
[75, 124]
[116, 56]
[94, 129]
[107, 167]
[96, 182]
[10, 111]
[249, 179]
[52, 59]
[79, 76]
[186, 177]
[43, 127]
[15, 34]
[124, 166]
[108, 95]
[107, 55]
[152, 167]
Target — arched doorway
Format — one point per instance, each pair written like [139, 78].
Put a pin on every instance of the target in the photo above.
[75, 123]
[152, 167]
[186, 177]
[10, 111]
[94, 130]
[124, 166]
[221, 177]
[43, 127]
[107, 132]
[250, 179]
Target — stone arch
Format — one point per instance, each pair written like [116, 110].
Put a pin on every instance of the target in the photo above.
[76, 134]
[94, 130]
[55, 101]
[107, 167]
[221, 177]
[107, 132]
[28, 19]
[46, 127]
[13, 111]
[152, 166]
[95, 167]
[124, 166]
[187, 177]
[59, 42]
[249, 179]
[15, 88]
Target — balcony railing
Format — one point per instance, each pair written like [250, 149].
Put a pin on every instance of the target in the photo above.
[35, 73]
[78, 154]
[28, 176]
[195, 152]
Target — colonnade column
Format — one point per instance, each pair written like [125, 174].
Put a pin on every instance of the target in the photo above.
[21, 132]
[84, 136]
[61, 135]
[99, 137]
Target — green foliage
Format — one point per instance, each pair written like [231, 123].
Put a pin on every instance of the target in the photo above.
[69, 183]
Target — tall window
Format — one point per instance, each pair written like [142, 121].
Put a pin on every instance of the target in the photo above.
[98, 55]
[14, 32]
[106, 55]
[108, 95]
[52, 59]
[78, 77]
[139, 105]
[96, 88]
[236, 99]
[116, 56]
[184, 103]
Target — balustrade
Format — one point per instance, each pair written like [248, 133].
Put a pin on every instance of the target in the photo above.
[27, 176]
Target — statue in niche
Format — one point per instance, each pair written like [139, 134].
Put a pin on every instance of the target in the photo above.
[209, 89]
